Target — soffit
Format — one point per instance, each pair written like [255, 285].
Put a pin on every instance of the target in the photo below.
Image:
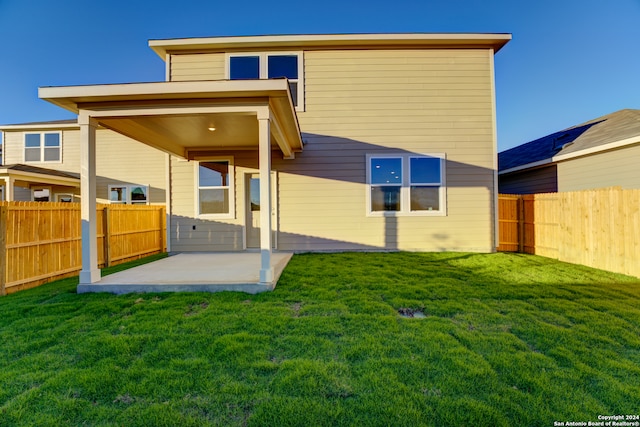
[176, 116]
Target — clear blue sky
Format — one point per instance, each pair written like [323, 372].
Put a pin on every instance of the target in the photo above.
[569, 60]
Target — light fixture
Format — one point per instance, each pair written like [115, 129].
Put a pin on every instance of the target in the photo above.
[211, 128]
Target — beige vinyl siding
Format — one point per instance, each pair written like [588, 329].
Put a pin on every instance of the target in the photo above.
[119, 161]
[368, 101]
[203, 66]
[361, 102]
[541, 180]
[14, 150]
[607, 169]
[188, 232]
[123, 161]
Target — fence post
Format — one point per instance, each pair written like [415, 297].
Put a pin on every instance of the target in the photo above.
[106, 229]
[3, 248]
[520, 224]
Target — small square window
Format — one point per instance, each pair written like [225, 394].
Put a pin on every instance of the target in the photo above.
[244, 67]
[282, 66]
[42, 147]
[41, 195]
[138, 195]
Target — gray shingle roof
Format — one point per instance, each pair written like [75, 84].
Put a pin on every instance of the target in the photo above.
[43, 171]
[613, 127]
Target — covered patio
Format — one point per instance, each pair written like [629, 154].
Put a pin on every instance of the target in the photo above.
[207, 272]
[178, 118]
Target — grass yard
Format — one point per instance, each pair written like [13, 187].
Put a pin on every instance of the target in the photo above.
[507, 340]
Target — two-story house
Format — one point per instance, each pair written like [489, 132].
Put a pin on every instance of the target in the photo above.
[299, 143]
[42, 163]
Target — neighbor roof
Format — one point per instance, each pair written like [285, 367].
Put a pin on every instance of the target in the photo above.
[328, 41]
[35, 170]
[52, 124]
[615, 129]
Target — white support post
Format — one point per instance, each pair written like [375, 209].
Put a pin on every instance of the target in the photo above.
[264, 142]
[90, 272]
[8, 189]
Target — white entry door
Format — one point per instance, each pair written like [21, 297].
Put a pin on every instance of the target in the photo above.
[252, 191]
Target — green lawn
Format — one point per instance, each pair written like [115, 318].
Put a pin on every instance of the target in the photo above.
[507, 340]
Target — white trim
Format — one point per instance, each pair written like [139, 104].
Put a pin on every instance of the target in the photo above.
[605, 147]
[477, 40]
[39, 126]
[167, 68]
[110, 187]
[247, 203]
[42, 147]
[127, 194]
[231, 186]
[41, 188]
[494, 123]
[263, 70]
[405, 186]
[587, 151]
[58, 196]
[527, 166]
[167, 200]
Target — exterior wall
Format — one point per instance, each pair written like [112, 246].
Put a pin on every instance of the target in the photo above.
[203, 66]
[541, 180]
[608, 169]
[361, 102]
[119, 160]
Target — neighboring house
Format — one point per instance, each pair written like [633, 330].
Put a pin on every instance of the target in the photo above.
[42, 163]
[602, 152]
[306, 143]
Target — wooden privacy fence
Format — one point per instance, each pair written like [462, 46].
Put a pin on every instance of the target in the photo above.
[597, 228]
[41, 241]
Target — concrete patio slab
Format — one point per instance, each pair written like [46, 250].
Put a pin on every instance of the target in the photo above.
[194, 272]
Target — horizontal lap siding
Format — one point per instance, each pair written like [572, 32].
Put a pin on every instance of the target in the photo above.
[360, 102]
[542, 180]
[13, 151]
[204, 66]
[613, 168]
[119, 160]
[122, 161]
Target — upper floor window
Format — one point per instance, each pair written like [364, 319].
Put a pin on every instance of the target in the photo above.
[270, 66]
[406, 184]
[43, 147]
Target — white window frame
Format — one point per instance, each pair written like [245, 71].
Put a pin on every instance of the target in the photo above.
[405, 190]
[232, 189]
[42, 147]
[264, 72]
[58, 196]
[41, 188]
[127, 199]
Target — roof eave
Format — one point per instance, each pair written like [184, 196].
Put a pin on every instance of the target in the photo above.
[310, 41]
[526, 166]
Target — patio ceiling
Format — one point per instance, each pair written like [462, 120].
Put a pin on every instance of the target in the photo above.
[177, 117]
